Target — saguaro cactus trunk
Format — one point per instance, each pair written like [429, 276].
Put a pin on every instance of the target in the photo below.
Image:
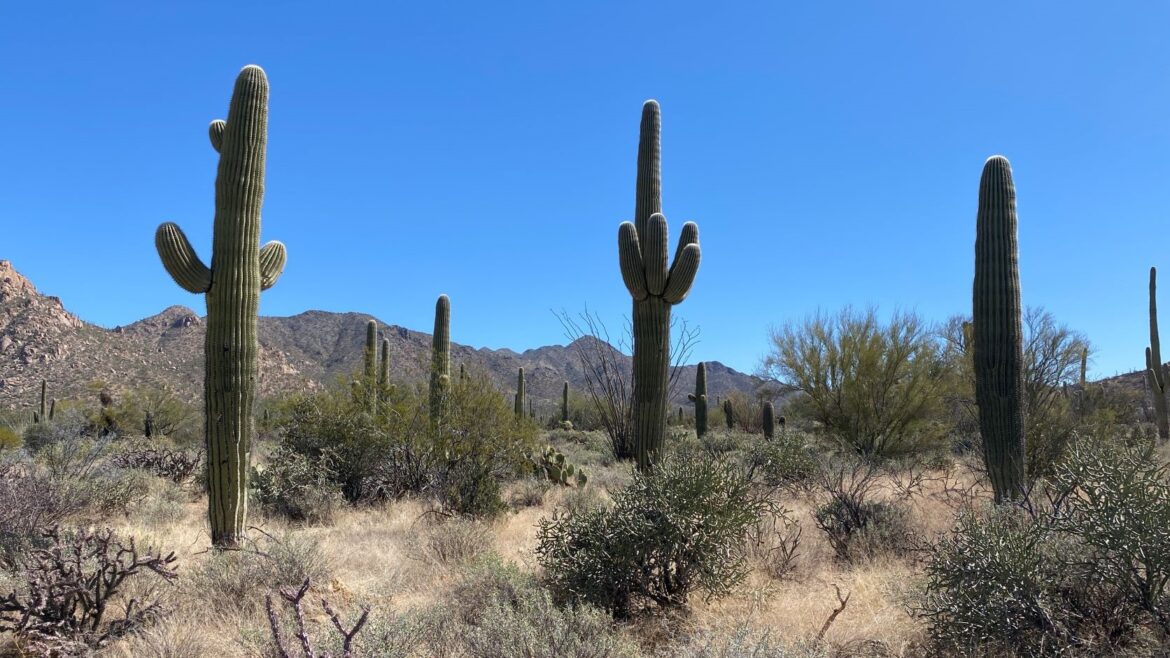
[240, 269]
[998, 332]
[370, 366]
[655, 287]
[1155, 370]
[565, 403]
[518, 403]
[699, 397]
[769, 420]
[440, 357]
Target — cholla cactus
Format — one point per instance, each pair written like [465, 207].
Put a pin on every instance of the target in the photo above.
[655, 286]
[240, 269]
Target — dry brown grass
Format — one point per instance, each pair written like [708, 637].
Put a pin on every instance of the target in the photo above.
[374, 559]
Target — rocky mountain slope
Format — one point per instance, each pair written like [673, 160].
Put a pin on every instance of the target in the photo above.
[40, 339]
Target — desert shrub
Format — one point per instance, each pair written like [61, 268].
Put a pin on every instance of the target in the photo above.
[1084, 571]
[581, 500]
[155, 413]
[30, 501]
[788, 461]
[745, 642]
[856, 525]
[239, 580]
[72, 592]
[9, 439]
[452, 542]
[678, 529]
[721, 442]
[746, 412]
[773, 543]
[178, 466]
[874, 386]
[296, 487]
[528, 492]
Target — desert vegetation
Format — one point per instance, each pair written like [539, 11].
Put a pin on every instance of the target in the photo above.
[897, 488]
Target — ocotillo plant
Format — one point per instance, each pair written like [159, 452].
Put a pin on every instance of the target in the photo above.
[565, 403]
[699, 397]
[518, 403]
[440, 357]
[240, 269]
[370, 366]
[769, 420]
[1155, 371]
[655, 286]
[998, 332]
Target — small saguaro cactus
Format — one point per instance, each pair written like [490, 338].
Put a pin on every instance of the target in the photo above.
[729, 414]
[1155, 370]
[45, 408]
[440, 357]
[370, 365]
[699, 397]
[240, 269]
[998, 332]
[1084, 366]
[384, 369]
[565, 403]
[518, 404]
[769, 420]
[655, 286]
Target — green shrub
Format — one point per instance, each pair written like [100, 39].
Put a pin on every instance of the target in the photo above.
[789, 460]
[238, 580]
[9, 439]
[678, 529]
[295, 487]
[862, 529]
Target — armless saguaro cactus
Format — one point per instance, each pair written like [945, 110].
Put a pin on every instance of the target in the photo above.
[1155, 371]
[370, 366]
[384, 370]
[518, 403]
[699, 397]
[565, 403]
[769, 420]
[440, 357]
[998, 332]
[240, 269]
[655, 286]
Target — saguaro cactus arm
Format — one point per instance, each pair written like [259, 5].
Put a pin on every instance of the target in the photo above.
[272, 259]
[180, 260]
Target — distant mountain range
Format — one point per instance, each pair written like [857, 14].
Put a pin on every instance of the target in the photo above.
[40, 339]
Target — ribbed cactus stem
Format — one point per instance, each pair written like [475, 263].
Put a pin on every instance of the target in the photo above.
[1155, 370]
[240, 269]
[655, 285]
[769, 420]
[42, 408]
[565, 403]
[518, 403]
[998, 332]
[440, 357]
[384, 368]
[1084, 366]
[370, 366]
[699, 397]
[729, 414]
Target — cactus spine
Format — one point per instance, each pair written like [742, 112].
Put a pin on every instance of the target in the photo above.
[518, 404]
[699, 397]
[565, 403]
[769, 420]
[998, 332]
[240, 269]
[440, 357]
[654, 287]
[1155, 371]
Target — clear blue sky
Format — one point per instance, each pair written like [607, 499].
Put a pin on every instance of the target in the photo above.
[829, 151]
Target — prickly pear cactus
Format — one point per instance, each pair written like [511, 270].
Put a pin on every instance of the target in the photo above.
[998, 332]
[240, 269]
[440, 357]
[551, 465]
[655, 286]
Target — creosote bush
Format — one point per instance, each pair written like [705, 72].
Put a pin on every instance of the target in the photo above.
[677, 529]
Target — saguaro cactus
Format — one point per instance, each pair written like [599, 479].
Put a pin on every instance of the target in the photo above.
[45, 408]
[440, 357]
[998, 332]
[655, 287]
[1084, 366]
[518, 404]
[769, 420]
[1155, 371]
[370, 366]
[384, 368]
[240, 269]
[729, 414]
[565, 403]
[699, 397]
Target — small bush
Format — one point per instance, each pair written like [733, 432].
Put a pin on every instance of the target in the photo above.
[178, 466]
[30, 501]
[529, 492]
[9, 439]
[678, 529]
[240, 579]
[862, 529]
[297, 488]
[453, 542]
[787, 461]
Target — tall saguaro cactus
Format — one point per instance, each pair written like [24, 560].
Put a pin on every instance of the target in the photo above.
[998, 332]
[699, 397]
[370, 366]
[565, 403]
[518, 404]
[384, 369]
[440, 357]
[240, 269]
[1155, 371]
[655, 286]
